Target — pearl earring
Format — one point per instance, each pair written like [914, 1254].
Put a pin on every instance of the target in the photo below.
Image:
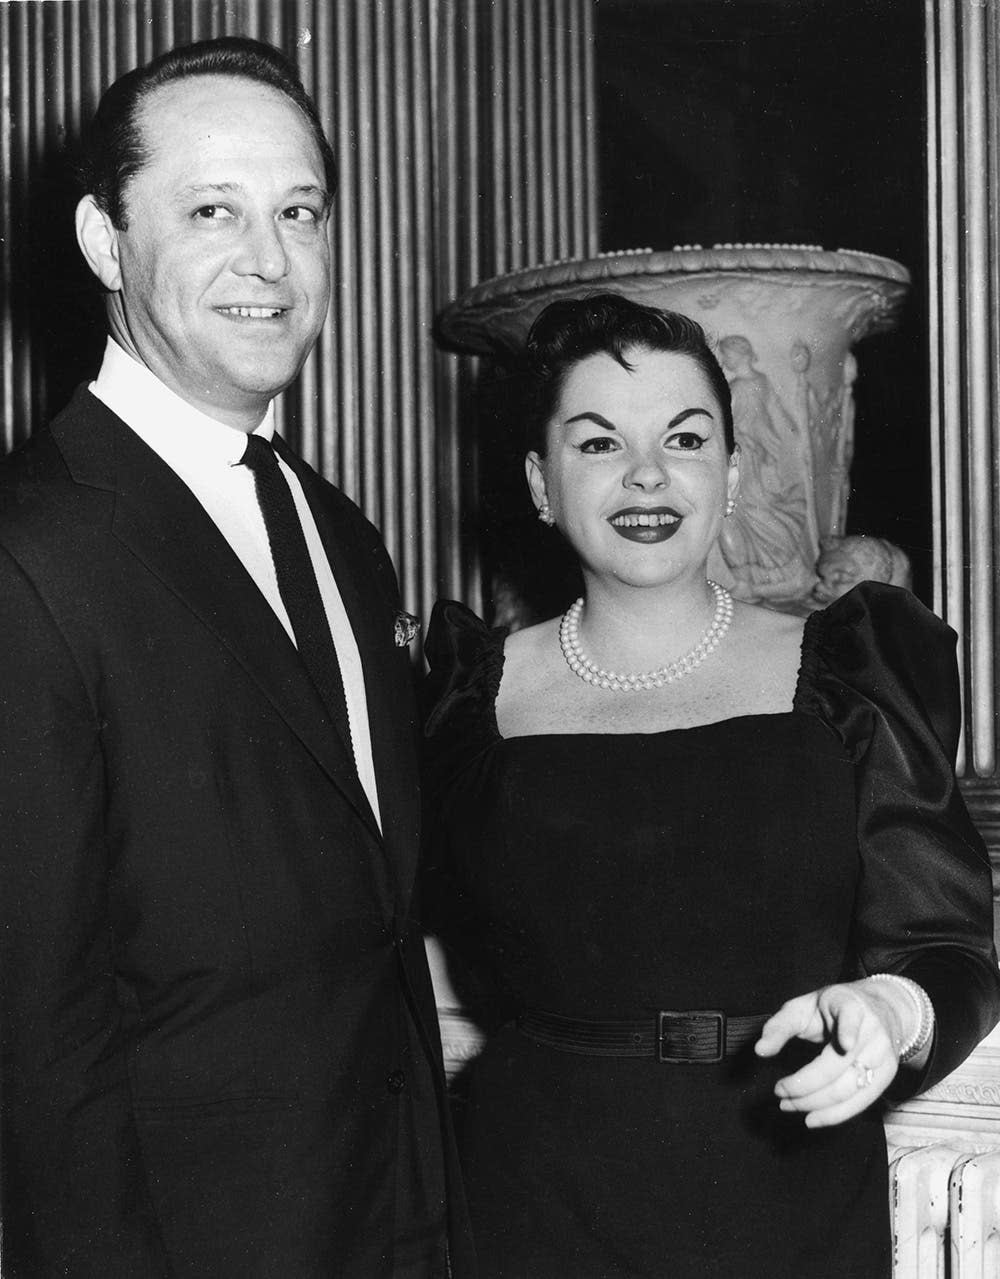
[545, 514]
[730, 506]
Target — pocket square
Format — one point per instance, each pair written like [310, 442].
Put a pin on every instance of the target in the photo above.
[406, 629]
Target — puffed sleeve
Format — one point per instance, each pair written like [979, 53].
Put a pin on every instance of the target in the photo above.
[465, 658]
[885, 679]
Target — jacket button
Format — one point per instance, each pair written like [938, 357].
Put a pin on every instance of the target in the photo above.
[396, 1081]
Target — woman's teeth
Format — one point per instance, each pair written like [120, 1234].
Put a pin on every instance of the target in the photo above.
[643, 521]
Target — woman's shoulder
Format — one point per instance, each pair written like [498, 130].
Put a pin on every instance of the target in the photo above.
[881, 624]
[465, 659]
[767, 651]
[879, 600]
[879, 644]
[456, 632]
[762, 624]
[530, 643]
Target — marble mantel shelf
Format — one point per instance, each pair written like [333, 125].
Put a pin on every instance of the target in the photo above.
[964, 1108]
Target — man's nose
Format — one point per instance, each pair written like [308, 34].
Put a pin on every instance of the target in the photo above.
[261, 252]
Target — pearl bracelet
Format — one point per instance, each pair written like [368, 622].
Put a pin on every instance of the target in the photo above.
[924, 1010]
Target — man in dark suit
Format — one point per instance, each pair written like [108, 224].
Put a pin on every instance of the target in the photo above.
[220, 1050]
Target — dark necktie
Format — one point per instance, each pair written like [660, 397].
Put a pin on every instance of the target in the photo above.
[297, 583]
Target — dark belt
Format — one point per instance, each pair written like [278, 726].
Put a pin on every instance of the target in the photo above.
[699, 1035]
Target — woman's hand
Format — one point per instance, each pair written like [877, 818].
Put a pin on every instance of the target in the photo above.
[861, 1025]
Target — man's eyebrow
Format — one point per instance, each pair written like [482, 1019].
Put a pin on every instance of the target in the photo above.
[196, 189]
[600, 420]
[310, 188]
[204, 188]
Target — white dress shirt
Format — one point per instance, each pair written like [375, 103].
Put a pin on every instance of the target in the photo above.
[205, 454]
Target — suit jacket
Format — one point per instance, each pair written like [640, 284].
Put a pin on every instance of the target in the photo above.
[221, 1056]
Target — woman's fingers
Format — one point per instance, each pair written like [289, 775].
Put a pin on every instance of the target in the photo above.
[813, 1017]
[844, 1013]
[797, 1019]
[834, 1086]
[855, 1067]
[820, 1074]
[867, 1084]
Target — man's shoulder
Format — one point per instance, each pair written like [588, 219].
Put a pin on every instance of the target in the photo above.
[36, 478]
[29, 473]
[41, 451]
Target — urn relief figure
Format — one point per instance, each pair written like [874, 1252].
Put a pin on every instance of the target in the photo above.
[769, 543]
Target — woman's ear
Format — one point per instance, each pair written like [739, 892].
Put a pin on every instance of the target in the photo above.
[98, 241]
[534, 470]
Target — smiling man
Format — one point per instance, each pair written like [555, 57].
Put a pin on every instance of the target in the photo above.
[220, 1048]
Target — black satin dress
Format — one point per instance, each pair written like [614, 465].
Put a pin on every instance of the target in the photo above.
[727, 866]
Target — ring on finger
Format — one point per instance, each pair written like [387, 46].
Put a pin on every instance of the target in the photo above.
[863, 1075]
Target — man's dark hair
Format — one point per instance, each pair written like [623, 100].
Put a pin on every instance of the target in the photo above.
[114, 148]
[607, 323]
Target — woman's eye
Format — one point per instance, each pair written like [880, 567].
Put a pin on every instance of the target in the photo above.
[599, 444]
[686, 440]
[212, 213]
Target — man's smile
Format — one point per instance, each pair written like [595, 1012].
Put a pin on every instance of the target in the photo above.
[239, 312]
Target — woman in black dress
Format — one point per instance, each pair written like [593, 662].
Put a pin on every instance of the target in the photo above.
[715, 855]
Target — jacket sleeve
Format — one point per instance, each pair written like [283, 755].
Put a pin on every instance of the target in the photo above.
[74, 1196]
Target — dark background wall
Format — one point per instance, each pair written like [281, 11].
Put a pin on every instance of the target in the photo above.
[796, 121]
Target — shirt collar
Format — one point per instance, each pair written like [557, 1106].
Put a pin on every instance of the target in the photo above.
[184, 437]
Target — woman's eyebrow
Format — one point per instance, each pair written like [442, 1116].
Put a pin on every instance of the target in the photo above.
[600, 420]
[591, 417]
[685, 414]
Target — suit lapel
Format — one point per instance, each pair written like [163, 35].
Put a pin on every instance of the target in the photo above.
[368, 590]
[162, 523]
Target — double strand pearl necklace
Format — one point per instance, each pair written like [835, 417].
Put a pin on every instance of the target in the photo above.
[627, 682]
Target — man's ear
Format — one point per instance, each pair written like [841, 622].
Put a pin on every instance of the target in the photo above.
[535, 473]
[98, 240]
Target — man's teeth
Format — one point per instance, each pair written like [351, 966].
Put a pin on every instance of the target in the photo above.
[254, 312]
[644, 521]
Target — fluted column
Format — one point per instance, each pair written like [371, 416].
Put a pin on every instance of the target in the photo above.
[516, 187]
[963, 51]
[961, 1114]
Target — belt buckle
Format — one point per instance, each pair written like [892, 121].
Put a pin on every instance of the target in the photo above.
[713, 1014]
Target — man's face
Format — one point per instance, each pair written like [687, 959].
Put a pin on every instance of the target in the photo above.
[225, 270]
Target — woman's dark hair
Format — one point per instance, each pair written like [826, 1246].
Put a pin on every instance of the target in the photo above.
[114, 148]
[607, 323]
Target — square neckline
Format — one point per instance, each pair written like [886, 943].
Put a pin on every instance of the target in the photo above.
[495, 652]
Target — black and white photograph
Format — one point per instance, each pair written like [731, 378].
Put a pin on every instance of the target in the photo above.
[499, 598]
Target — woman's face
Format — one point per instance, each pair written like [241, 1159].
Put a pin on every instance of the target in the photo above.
[637, 473]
